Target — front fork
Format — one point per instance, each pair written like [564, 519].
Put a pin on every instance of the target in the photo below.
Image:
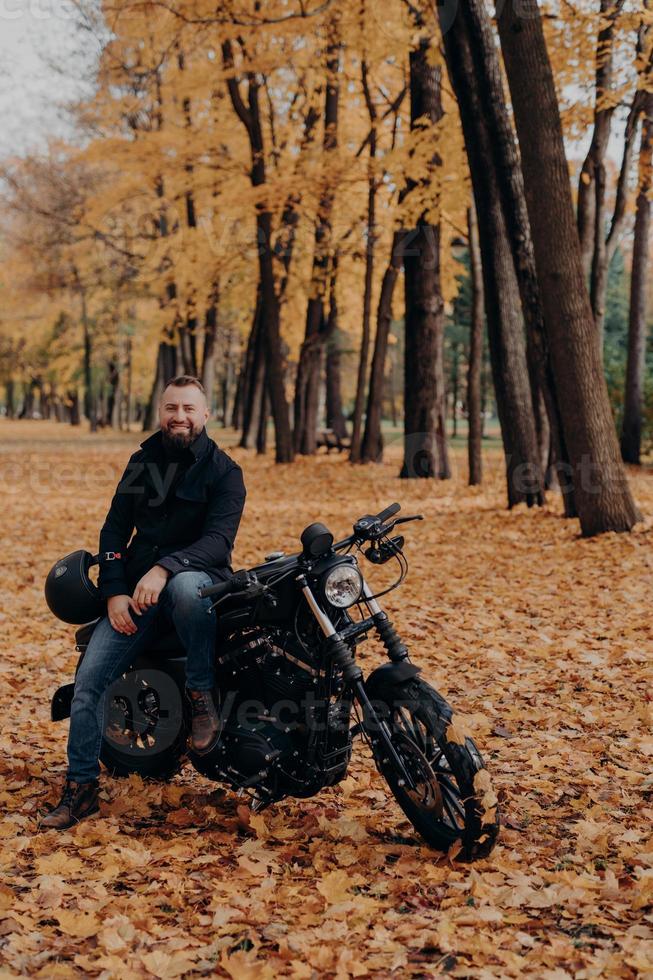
[342, 656]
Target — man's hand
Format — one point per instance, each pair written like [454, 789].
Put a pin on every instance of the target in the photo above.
[118, 607]
[149, 588]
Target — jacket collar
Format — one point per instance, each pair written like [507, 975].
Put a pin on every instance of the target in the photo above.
[198, 447]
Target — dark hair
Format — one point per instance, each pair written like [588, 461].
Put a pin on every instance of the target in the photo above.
[183, 381]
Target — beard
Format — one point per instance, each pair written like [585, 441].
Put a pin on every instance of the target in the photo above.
[177, 439]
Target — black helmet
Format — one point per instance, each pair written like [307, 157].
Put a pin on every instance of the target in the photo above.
[70, 593]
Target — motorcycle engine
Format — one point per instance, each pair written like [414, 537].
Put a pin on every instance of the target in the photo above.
[270, 704]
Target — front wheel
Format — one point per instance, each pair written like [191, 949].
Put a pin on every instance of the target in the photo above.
[451, 801]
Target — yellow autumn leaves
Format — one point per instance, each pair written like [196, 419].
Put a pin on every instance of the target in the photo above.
[540, 640]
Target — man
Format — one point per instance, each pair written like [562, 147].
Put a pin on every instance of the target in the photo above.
[184, 497]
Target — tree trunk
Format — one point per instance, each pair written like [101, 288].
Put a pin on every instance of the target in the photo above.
[208, 351]
[307, 381]
[599, 271]
[188, 330]
[254, 385]
[128, 394]
[227, 378]
[188, 346]
[605, 247]
[249, 115]
[372, 447]
[465, 62]
[272, 345]
[546, 410]
[631, 431]
[601, 491]
[425, 437]
[475, 366]
[246, 373]
[59, 409]
[335, 417]
[485, 385]
[89, 402]
[101, 406]
[73, 398]
[114, 401]
[393, 395]
[357, 422]
[10, 389]
[425, 446]
[310, 355]
[237, 410]
[264, 413]
[167, 365]
[166, 360]
[27, 411]
[285, 243]
[45, 402]
[454, 389]
[591, 185]
[165, 369]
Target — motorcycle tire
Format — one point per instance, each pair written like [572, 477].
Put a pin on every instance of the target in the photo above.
[451, 804]
[146, 721]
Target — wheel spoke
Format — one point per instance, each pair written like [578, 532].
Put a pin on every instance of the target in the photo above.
[443, 763]
[432, 748]
[453, 798]
[410, 729]
[448, 785]
[451, 811]
[434, 758]
[454, 810]
[427, 738]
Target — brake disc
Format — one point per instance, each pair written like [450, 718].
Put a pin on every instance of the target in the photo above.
[427, 794]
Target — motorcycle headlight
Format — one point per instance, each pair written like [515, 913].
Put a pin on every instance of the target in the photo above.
[343, 586]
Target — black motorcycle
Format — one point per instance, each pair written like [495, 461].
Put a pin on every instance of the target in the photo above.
[293, 698]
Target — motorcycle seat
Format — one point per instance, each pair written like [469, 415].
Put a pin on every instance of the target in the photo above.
[165, 643]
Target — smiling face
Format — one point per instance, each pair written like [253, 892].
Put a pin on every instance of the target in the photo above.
[183, 413]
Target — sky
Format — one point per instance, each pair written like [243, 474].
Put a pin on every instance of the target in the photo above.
[44, 59]
[36, 35]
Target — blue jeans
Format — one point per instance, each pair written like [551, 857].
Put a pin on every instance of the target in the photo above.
[110, 653]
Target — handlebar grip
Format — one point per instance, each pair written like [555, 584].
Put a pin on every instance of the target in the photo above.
[215, 591]
[388, 512]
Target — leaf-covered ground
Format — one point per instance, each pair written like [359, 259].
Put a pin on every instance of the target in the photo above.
[542, 640]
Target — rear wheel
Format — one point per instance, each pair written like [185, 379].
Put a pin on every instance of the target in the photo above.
[451, 799]
[145, 727]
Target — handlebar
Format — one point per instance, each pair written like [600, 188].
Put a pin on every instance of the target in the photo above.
[237, 582]
[388, 512]
[215, 591]
[371, 527]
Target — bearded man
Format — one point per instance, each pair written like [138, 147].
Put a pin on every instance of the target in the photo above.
[184, 497]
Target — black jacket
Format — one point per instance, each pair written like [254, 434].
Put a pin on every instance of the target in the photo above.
[185, 508]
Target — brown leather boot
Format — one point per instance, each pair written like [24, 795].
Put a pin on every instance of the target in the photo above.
[78, 800]
[206, 722]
